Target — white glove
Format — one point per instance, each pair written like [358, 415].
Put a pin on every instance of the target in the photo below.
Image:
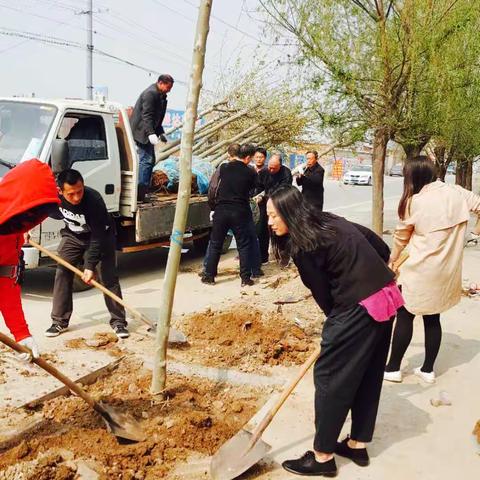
[211, 215]
[30, 343]
[153, 139]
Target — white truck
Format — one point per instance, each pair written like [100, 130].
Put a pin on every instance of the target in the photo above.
[96, 139]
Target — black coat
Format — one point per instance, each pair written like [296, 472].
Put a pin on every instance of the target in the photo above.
[312, 185]
[148, 114]
[349, 269]
[269, 183]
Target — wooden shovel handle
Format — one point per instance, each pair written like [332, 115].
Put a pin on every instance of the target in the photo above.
[52, 371]
[96, 284]
[257, 433]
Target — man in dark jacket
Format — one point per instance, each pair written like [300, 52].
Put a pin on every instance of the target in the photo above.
[269, 179]
[146, 122]
[89, 235]
[311, 180]
[232, 211]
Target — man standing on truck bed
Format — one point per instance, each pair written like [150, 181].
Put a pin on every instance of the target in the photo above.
[146, 122]
[88, 236]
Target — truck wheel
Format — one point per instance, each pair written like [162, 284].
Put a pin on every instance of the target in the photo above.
[201, 244]
[226, 244]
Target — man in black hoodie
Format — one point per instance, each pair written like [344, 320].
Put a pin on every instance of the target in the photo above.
[146, 122]
[89, 235]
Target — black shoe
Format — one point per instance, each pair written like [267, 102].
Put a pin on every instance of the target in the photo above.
[55, 330]
[121, 331]
[208, 280]
[258, 274]
[247, 282]
[308, 466]
[357, 455]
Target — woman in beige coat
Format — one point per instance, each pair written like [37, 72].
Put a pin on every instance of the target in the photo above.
[433, 222]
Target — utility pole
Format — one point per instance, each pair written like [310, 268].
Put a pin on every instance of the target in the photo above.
[89, 14]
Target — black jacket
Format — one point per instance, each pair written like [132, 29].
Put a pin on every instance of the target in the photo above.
[351, 268]
[89, 220]
[269, 183]
[148, 114]
[235, 182]
[312, 185]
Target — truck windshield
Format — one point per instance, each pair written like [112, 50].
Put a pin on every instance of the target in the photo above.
[23, 129]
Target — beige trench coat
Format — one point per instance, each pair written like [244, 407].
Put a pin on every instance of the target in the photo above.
[434, 231]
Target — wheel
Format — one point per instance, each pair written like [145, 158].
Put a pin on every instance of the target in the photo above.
[201, 244]
[226, 243]
[370, 181]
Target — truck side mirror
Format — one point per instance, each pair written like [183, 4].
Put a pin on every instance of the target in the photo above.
[60, 158]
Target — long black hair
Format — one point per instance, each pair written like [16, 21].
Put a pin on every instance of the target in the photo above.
[307, 229]
[416, 174]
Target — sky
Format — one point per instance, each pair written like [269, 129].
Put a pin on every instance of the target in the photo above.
[153, 34]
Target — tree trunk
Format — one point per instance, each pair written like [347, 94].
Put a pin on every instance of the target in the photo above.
[181, 211]
[469, 175]
[380, 141]
[440, 160]
[412, 151]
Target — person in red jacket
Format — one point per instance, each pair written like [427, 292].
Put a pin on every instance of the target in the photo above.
[27, 193]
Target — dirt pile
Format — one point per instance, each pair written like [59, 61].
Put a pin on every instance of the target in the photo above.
[244, 338]
[196, 416]
[100, 340]
[476, 431]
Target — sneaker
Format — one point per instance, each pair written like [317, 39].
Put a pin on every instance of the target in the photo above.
[393, 376]
[258, 274]
[308, 465]
[427, 377]
[357, 455]
[55, 330]
[208, 280]
[121, 331]
[247, 282]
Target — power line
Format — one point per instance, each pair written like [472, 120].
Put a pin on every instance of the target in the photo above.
[68, 43]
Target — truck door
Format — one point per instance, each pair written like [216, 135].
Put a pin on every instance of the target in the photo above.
[93, 151]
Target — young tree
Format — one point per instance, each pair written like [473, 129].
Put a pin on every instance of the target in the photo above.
[371, 60]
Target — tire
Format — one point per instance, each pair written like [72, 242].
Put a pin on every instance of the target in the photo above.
[370, 181]
[226, 244]
[201, 244]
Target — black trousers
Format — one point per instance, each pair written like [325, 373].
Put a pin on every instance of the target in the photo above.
[72, 249]
[348, 376]
[238, 221]
[263, 232]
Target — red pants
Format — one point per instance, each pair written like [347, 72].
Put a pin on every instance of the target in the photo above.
[11, 308]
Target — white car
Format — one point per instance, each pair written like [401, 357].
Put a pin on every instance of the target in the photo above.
[358, 175]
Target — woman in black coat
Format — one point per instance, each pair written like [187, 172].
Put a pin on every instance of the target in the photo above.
[345, 267]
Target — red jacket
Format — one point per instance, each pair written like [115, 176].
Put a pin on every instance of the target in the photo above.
[28, 185]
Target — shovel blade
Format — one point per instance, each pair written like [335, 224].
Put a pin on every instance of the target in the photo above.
[174, 335]
[122, 425]
[233, 457]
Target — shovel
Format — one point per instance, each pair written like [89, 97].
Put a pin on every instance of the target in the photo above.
[245, 449]
[174, 336]
[120, 424]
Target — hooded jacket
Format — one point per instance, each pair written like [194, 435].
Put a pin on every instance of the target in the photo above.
[23, 190]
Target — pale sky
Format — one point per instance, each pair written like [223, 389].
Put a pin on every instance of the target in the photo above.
[156, 34]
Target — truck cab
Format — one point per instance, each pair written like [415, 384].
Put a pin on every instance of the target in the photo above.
[94, 138]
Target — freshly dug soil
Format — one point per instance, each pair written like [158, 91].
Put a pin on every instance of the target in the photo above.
[245, 339]
[100, 340]
[196, 416]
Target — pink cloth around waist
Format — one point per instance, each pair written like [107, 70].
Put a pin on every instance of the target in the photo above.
[383, 305]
